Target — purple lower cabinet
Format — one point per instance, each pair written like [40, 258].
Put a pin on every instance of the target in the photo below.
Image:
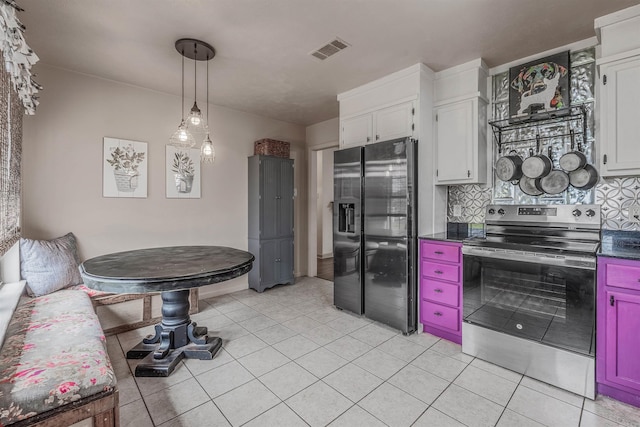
[618, 337]
[441, 289]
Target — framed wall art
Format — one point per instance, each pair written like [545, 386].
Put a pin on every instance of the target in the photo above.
[539, 86]
[124, 168]
[182, 172]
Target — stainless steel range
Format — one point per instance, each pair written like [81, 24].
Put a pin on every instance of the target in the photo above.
[529, 292]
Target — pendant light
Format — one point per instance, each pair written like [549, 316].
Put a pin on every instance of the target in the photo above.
[184, 135]
[181, 137]
[207, 152]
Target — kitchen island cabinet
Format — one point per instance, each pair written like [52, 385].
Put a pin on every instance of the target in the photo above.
[618, 343]
[441, 289]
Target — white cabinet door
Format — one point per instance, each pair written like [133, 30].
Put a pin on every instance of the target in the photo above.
[394, 122]
[620, 117]
[455, 142]
[356, 130]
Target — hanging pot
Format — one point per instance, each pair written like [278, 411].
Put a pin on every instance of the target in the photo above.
[585, 178]
[573, 160]
[509, 168]
[556, 181]
[530, 186]
[536, 166]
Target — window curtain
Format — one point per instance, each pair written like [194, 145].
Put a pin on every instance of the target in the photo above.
[11, 113]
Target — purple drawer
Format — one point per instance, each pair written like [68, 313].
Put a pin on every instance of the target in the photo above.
[623, 276]
[439, 315]
[440, 271]
[439, 252]
[440, 292]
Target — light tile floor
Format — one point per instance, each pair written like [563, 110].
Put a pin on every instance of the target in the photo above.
[290, 358]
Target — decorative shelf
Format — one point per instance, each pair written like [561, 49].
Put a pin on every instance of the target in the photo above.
[576, 117]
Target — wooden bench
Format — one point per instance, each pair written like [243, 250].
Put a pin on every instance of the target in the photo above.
[54, 366]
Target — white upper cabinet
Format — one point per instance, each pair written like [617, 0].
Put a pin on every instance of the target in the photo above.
[356, 130]
[454, 136]
[620, 117]
[387, 123]
[461, 124]
[394, 122]
[619, 105]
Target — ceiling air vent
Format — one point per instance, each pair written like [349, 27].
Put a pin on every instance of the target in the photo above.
[329, 49]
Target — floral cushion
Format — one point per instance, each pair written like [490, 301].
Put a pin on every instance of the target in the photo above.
[91, 292]
[54, 353]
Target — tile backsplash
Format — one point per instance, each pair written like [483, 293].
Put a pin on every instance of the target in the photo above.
[614, 194]
[470, 199]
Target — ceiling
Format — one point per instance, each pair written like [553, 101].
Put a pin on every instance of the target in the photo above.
[263, 63]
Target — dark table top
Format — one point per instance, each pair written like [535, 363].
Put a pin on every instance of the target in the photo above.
[164, 269]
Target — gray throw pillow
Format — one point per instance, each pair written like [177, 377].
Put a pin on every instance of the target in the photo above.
[49, 265]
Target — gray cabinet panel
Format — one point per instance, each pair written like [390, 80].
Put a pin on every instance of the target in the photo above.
[285, 261]
[285, 199]
[270, 221]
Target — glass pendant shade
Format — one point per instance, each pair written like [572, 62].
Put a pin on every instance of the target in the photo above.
[207, 152]
[182, 137]
[194, 120]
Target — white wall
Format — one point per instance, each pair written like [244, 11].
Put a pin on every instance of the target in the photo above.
[10, 265]
[319, 191]
[62, 170]
[327, 197]
[318, 136]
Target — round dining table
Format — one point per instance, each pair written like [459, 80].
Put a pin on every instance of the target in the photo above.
[172, 271]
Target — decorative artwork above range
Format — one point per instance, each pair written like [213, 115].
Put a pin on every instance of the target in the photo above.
[540, 85]
[124, 168]
[183, 172]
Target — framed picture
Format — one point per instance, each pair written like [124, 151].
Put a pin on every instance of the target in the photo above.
[124, 168]
[183, 172]
[541, 85]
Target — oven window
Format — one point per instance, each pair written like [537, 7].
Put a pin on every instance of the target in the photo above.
[551, 304]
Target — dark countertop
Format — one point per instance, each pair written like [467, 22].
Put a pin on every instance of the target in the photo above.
[457, 232]
[620, 244]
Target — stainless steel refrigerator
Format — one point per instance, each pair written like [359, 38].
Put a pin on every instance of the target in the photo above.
[375, 232]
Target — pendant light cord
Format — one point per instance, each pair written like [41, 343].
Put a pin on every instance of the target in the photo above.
[182, 112]
[207, 93]
[195, 73]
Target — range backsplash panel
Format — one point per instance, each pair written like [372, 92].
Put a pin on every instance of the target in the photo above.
[615, 194]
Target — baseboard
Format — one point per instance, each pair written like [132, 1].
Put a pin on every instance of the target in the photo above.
[223, 288]
[325, 256]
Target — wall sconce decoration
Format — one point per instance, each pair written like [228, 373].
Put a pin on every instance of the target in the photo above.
[195, 125]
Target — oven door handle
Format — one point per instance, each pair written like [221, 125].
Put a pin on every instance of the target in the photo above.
[583, 263]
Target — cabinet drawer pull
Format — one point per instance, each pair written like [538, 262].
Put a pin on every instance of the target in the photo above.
[439, 291]
[437, 313]
[438, 272]
[442, 253]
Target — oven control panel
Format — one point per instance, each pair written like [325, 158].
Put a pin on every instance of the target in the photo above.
[587, 215]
